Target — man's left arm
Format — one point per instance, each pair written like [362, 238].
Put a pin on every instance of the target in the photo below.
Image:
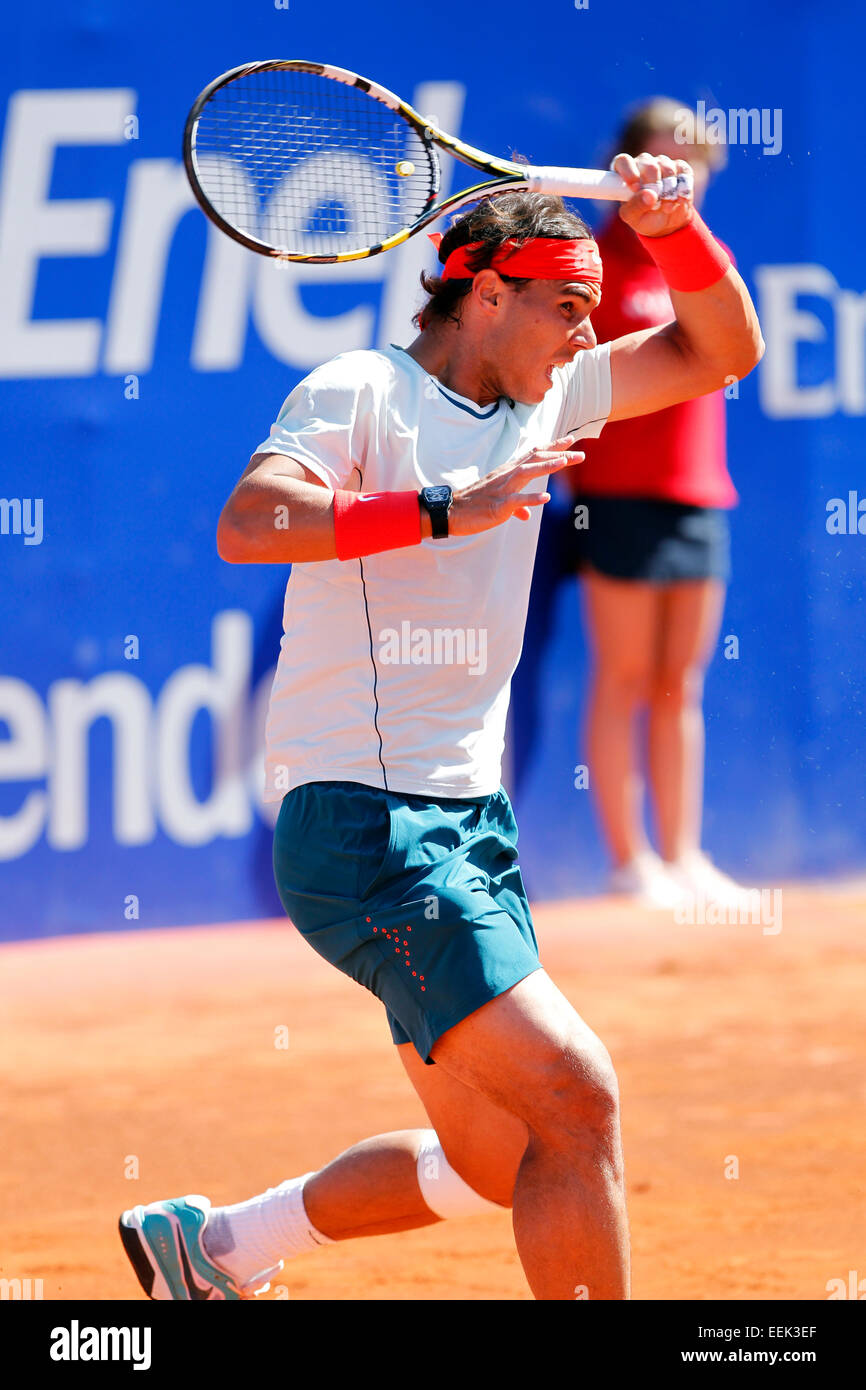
[716, 335]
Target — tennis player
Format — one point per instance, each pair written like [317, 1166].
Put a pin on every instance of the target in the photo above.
[406, 487]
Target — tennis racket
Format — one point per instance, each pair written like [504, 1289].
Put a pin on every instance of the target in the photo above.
[307, 162]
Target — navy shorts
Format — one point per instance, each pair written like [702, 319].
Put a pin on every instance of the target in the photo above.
[651, 540]
[419, 900]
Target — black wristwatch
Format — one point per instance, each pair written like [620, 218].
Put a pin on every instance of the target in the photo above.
[437, 501]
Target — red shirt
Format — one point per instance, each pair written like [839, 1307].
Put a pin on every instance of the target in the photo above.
[677, 454]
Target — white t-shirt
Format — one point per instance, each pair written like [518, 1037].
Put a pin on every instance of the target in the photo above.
[395, 670]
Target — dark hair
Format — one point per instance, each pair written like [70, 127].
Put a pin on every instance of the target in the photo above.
[517, 216]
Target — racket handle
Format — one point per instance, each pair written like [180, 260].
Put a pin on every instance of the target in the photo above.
[576, 183]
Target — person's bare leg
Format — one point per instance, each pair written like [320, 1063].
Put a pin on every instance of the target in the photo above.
[621, 621]
[375, 1187]
[530, 1053]
[691, 616]
[482, 1142]
[370, 1190]
[540, 1133]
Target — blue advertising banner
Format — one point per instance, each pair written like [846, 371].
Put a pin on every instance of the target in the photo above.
[143, 356]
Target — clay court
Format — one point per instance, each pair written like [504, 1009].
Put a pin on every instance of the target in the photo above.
[157, 1051]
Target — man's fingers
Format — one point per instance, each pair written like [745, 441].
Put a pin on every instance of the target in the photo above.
[668, 175]
[685, 180]
[542, 457]
[543, 463]
[649, 166]
[625, 166]
[567, 441]
[565, 444]
[535, 499]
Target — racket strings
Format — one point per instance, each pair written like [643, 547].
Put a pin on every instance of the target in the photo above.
[310, 165]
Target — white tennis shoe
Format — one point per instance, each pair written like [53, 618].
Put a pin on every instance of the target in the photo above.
[647, 881]
[165, 1248]
[698, 876]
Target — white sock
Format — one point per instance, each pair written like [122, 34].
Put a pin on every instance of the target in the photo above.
[256, 1235]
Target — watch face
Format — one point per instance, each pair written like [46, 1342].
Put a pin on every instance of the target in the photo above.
[437, 495]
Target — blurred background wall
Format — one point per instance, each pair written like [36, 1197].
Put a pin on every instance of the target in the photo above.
[143, 357]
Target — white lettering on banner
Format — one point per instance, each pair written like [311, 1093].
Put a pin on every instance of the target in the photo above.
[157, 196]
[222, 691]
[785, 324]
[295, 336]
[235, 285]
[23, 758]
[75, 708]
[150, 771]
[851, 351]
[33, 226]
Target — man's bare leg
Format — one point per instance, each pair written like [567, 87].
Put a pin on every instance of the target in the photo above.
[560, 1159]
[370, 1190]
[529, 1052]
[377, 1187]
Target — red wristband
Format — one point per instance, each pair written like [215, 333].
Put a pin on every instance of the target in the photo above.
[690, 259]
[366, 523]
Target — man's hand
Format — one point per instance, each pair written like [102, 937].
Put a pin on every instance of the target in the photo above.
[645, 212]
[274, 485]
[715, 337]
[499, 496]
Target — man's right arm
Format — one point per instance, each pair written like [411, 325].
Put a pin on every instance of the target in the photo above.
[282, 513]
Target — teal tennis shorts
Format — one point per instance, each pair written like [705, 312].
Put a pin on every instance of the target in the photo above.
[420, 901]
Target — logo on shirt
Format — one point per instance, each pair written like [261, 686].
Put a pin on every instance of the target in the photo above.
[434, 646]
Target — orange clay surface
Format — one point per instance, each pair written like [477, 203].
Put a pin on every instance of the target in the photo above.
[155, 1052]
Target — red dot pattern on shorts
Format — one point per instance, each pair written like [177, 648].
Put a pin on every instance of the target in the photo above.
[396, 939]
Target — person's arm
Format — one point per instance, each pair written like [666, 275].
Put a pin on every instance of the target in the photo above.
[282, 513]
[716, 335]
[279, 513]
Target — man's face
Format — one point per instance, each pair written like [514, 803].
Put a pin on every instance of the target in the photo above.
[534, 329]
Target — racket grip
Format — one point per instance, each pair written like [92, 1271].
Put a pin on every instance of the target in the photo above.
[577, 183]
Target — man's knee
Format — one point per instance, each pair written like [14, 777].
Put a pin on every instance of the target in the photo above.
[576, 1096]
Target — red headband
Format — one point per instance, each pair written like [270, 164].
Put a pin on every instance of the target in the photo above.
[540, 258]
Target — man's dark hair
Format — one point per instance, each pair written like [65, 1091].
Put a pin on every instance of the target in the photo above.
[517, 217]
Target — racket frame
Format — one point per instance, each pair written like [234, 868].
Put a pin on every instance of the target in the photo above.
[506, 173]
